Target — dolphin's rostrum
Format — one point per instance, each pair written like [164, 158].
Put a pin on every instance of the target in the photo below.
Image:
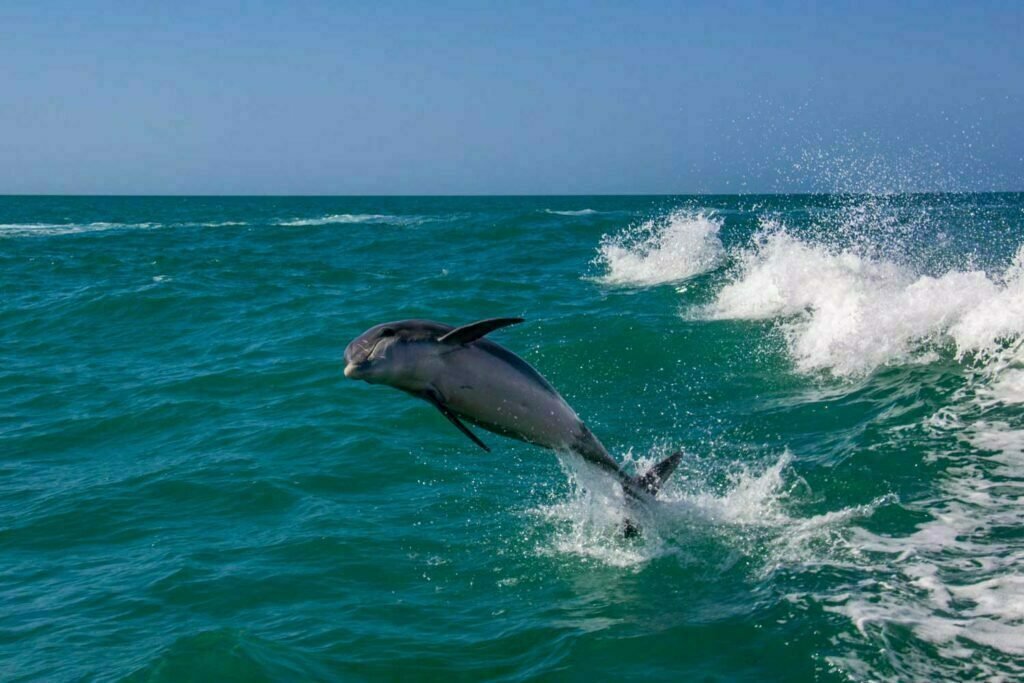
[472, 379]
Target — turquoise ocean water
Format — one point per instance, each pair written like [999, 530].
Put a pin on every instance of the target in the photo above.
[191, 490]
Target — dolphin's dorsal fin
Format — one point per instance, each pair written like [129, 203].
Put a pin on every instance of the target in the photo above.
[473, 331]
[435, 398]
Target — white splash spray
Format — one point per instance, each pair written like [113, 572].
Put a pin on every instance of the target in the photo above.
[747, 514]
[672, 248]
[850, 314]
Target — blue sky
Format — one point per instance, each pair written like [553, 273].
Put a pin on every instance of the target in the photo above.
[509, 98]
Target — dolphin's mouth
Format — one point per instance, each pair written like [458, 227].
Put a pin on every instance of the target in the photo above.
[352, 369]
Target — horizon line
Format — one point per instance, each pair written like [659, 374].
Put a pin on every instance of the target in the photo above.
[510, 195]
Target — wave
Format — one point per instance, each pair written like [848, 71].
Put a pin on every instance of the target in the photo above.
[953, 583]
[345, 218]
[49, 229]
[581, 212]
[52, 229]
[659, 251]
[850, 314]
[950, 588]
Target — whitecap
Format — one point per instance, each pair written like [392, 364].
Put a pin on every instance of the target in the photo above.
[668, 249]
[849, 314]
[345, 218]
[581, 212]
[51, 229]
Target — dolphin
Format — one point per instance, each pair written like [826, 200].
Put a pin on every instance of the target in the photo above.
[472, 379]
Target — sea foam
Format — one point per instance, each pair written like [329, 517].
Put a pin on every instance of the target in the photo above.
[343, 218]
[51, 229]
[581, 212]
[747, 515]
[849, 314]
[668, 249]
[954, 583]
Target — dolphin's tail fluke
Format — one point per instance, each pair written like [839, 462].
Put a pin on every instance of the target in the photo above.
[650, 481]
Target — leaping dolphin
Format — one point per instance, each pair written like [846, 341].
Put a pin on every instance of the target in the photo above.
[467, 377]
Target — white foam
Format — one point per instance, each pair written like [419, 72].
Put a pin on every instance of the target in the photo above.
[955, 582]
[672, 248]
[588, 523]
[1007, 387]
[850, 314]
[747, 515]
[50, 229]
[342, 218]
[581, 212]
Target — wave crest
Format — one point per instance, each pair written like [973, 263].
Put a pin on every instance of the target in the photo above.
[343, 218]
[675, 247]
[51, 229]
[849, 314]
[581, 212]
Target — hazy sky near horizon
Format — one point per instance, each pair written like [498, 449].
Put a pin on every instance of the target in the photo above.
[510, 98]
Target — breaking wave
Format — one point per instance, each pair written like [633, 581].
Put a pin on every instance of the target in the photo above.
[850, 314]
[668, 249]
[858, 290]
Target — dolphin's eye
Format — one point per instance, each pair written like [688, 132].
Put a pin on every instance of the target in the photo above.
[387, 332]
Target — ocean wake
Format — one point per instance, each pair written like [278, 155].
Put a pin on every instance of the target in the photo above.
[955, 583]
[669, 249]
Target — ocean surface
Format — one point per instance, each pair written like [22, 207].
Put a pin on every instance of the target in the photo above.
[191, 490]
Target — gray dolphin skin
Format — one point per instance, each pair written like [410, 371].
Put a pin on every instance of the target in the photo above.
[472, 379]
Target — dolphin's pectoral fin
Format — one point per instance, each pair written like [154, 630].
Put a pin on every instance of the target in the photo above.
[434, 398]
[473, 331]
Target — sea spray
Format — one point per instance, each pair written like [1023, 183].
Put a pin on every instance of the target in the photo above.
[750, 514]
[670, 248]
[850, 314]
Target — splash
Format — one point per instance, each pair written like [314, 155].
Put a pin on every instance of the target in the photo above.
[672, 248]
[849, 314]
[749, 515]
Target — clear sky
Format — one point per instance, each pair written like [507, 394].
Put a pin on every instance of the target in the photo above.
[380, 97]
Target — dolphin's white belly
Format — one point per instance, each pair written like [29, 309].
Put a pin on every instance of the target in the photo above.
[503, 398]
